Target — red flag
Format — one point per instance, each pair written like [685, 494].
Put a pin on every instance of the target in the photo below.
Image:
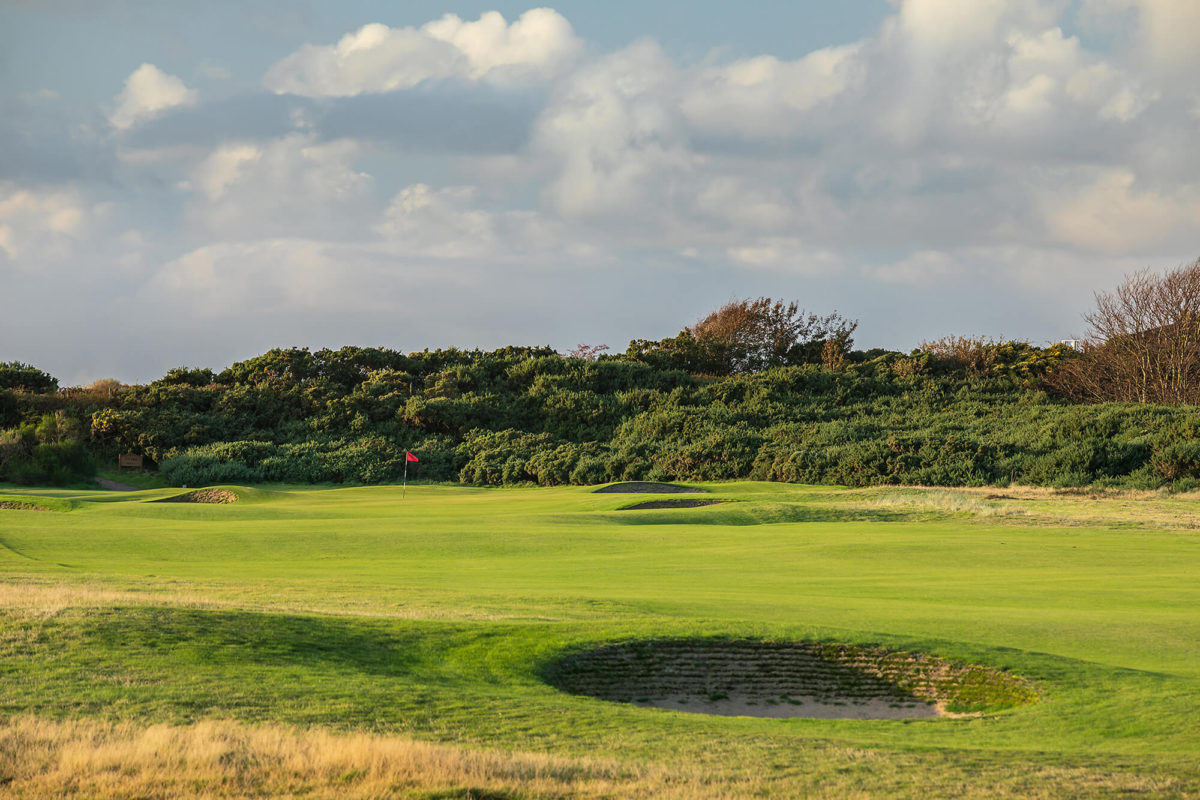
[410, 457]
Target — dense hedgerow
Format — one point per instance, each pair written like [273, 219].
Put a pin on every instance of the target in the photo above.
[528, 415]
[47, 453]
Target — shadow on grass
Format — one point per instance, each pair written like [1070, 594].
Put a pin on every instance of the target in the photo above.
[233, 637]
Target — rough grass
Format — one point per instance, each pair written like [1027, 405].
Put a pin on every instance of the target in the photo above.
[219, 758]
[948, 500]
[1036, 505]
[42, 758]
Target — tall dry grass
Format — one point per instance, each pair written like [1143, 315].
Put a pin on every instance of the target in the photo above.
[946, 501]
[222, 759]
[1037, 506]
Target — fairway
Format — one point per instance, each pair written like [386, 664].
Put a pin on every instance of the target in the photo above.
[423, 627]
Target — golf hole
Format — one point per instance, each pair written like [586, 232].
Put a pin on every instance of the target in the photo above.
[786, 680]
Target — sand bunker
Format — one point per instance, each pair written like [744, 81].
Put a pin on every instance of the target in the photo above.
[786, 679]
[649, 504]
[202, 496]
[646, 487]
[18, 505]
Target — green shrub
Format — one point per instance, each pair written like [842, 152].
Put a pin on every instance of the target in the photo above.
[1178, 460]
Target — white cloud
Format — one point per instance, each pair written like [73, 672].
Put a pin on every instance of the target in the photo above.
[1048, 69]
[224, 166]
[940, 26]
[746, 204]
[38, 224]
[148, 92]
[785, 254]
[1113, 215]
[927, 268]
[1163, 32]
[975, 147]
[450, 224]
[764, 97]
[291, 186]
[612, 135]
[267, 276]
[376, 58]
[1169, 30]
[1114, 95]
[441, 223]
[540, 40]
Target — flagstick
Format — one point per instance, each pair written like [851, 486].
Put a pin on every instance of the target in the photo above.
[404, 491]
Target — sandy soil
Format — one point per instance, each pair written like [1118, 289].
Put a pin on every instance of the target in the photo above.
[795, 707]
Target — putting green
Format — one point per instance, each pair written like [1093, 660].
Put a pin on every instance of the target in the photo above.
[438, 615]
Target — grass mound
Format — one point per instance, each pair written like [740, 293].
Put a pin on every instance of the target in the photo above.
[30, 502]
[786, 679]
[646, 487]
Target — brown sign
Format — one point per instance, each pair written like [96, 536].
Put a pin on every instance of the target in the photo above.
[130, 460]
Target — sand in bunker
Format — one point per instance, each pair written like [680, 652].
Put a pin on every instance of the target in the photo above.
[822, 680]
[795, 707]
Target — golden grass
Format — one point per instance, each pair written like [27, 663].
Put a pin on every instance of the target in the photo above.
[222, 759]
[32, 596]
[947, 501]
[213, 759]
[1039, 506]
[45, 599]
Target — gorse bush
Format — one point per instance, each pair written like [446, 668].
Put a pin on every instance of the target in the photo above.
[25, 378]
[530, 416]
[46, 453]
[370, 459]
[962, 412]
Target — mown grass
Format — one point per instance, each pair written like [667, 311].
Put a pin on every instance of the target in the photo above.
[348, 612]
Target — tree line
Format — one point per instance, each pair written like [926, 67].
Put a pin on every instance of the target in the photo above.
[759, 388]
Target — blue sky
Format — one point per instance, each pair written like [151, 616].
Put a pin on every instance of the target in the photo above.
[191, 184]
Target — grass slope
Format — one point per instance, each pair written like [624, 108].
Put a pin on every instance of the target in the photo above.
[352, 612]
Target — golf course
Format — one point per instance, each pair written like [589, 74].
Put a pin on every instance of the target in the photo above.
[446, 641]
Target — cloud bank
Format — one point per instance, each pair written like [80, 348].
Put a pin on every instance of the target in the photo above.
[376, 58]
[964, 168]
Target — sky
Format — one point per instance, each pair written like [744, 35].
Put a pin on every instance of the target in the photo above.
[192, 184]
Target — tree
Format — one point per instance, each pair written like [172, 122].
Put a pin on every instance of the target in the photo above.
[588, 352]
[753, 335]
[1144, 342]
[26, 378]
